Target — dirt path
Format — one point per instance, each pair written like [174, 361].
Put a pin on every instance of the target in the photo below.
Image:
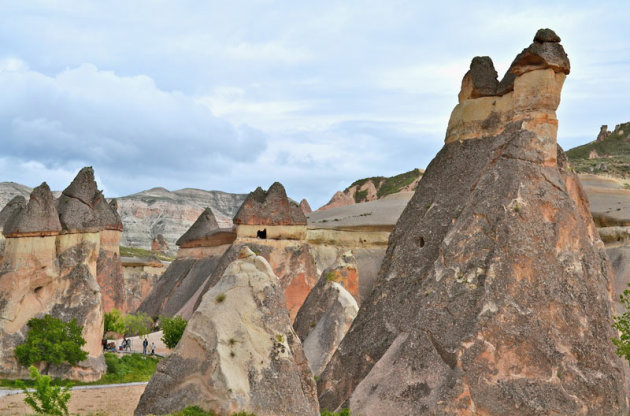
[113, 401]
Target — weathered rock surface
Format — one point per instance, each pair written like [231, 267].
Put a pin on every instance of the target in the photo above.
[77, 202]
[205, 232]
[140, 277]
[9, 190]
[159, 244]
[327, 313]
[305, 206]
[269, 208]
[238, 352]
[170, 213]
[495, 295]
[44, 272]
[38, 218]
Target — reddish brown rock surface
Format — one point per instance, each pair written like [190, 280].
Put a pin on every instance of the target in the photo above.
[269, 208]
[495, 295]
[159, 244]
[305, 206]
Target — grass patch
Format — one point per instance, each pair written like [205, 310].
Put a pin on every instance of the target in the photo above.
[198, 411]
[126, 369]
[385, 186]
[360, 196]
[143, 254]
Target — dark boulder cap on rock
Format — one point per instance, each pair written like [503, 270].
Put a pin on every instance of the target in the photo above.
[83, 208]
[269, 208]
[545, 52]
[14, 205]
[206, 232]
[38, 218]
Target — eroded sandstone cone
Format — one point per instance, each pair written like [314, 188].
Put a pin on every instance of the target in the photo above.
[495, 295]
[328, 312]
[269, 208]
[238, 352]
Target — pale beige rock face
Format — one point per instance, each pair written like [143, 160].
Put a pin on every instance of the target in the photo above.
[238, 352]
[535, 98]
[201, 252]
[51, 275]
[274, 232]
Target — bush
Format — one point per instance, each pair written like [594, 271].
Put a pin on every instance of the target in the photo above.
[46, 399]
[115, 322]
[173, 328]
[139, 324]
[52, 341]
[128, 368]
[342, 412]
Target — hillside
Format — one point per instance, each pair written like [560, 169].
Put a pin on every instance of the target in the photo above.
[609, 154]
[374, 188]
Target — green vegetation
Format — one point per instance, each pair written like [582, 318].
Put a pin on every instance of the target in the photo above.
[173, 328]
[331, 276]
[220, 297]
[385, 186]
[612, 154]
[130, 324]
[342, 412]
[360, 196]
[396, 183]
[143, 254]
[126, 369]
[622, 324]
[52, 341]
[46, 399]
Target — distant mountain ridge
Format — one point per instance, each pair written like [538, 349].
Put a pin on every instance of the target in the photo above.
[376, 187]
[609, 154]
[156, 211]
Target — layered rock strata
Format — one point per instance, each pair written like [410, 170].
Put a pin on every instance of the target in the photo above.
[48, 272]
[328, 312]
[238, 352]
[495, 294]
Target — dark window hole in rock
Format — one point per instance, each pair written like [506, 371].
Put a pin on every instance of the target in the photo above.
[262, 234]
[421, 241]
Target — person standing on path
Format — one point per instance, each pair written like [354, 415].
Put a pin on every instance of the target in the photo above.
[153, 348]
[145, 344]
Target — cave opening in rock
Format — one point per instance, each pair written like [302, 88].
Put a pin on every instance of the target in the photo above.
[262, 234]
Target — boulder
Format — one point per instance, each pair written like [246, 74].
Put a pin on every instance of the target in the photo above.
[327, 313]
[269, 208]
[481, 80]
[495, 294]
[238, 352]
[38, 218]
[76, 204]
[15, 205]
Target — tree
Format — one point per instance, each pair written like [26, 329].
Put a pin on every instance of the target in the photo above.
[172, 329]
[52, 341]
[114, 322]
[139, 324]
[622, 324]
[46, 399]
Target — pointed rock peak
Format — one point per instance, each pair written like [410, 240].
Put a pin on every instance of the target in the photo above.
[107, 215]
[269, 208]
[15, 205]
[305, 206]
[546, 35]
[114, 204]
[202, 231]
[38, 218]
[83, 187]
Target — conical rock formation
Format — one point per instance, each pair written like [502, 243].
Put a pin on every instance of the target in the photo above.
[494, 296]
[327, 313]
[269, 208]
[38, 218]
[238, 352]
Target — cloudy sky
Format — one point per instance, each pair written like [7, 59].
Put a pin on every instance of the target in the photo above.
[230, 95]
